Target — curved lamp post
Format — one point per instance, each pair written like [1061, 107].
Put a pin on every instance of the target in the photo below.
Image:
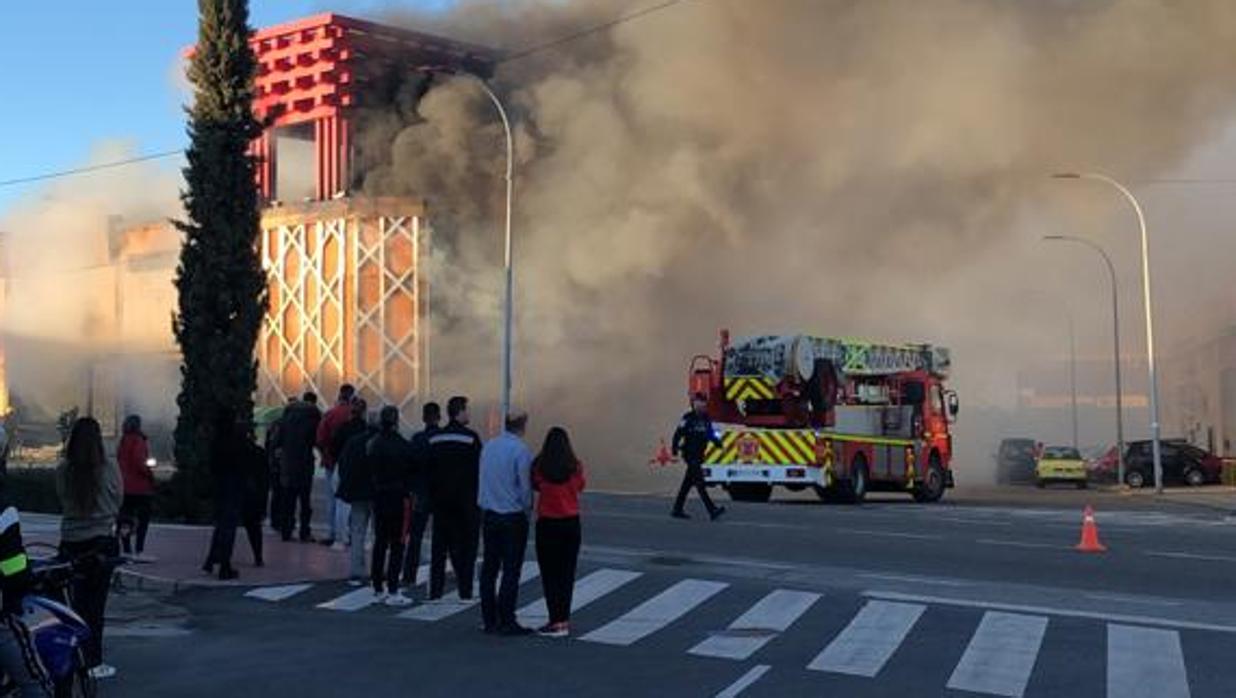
[508, 303]
[1111, 270]
[1154, 385]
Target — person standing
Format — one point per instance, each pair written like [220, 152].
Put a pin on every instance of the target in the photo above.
[421, 509]
[390, 459]
[356, 488]
[234, 453]
[256, 490]
[505, 498]
[454, 454]
[335, 417]
[274, 458]
[558, 478]
[297, 433]
[90, 489]
[691, 439]
[133, 456]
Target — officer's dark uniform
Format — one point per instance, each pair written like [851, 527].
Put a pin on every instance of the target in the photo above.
[691, 439]
[422, 505]
[454, 472]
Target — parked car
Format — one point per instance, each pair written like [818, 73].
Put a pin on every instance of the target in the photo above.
[1060, 464]
[1182, 463]
[1015, 461]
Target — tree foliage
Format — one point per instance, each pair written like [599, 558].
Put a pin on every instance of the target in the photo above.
[222, 293]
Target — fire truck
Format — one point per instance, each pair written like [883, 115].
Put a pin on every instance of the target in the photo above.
[843, 417]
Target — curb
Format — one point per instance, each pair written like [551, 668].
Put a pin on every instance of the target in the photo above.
[154, 582]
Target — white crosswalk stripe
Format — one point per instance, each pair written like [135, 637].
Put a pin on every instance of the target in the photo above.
[744, 682]
[1000, 659]
[1001, 655]
[587, 590]
[450, 604]
[772, 615]
[656, 613]
[354, 600]
[1145, 663]
[870, 639]
[278, 593]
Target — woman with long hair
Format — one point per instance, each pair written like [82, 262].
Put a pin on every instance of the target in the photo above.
[558, 477]
[133, 456]
[90, 494]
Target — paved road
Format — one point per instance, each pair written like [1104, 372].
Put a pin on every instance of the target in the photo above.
[790, 598]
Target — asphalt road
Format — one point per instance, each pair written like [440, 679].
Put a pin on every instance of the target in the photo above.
[980, 595]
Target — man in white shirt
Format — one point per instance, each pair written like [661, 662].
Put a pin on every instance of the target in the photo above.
[505, 499]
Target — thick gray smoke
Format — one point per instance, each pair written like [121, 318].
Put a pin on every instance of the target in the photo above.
[871, 169]
[64, 326]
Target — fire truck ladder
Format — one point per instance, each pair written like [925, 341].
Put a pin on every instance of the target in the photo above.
[857, 358]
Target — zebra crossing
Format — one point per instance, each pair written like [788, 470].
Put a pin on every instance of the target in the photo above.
[1003, 650]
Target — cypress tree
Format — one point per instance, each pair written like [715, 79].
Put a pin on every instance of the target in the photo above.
[219, 280]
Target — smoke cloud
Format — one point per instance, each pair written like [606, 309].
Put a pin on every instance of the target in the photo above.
[871, 169]
[64, 324]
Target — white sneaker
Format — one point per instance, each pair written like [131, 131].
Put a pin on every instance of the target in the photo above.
[379, 597]
[102, 671]
[398, 600]
[338, 546]
[357, 582]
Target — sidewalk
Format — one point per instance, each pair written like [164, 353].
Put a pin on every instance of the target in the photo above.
[182, 549]
[1220, 498]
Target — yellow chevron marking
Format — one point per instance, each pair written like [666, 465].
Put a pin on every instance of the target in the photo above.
[748, 387]
[770, 447]
[789, 446]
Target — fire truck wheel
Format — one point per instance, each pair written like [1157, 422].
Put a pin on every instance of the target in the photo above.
[932, 488]
[750, 492]
[854, 490]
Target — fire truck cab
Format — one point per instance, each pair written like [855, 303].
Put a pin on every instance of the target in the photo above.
[843, 417]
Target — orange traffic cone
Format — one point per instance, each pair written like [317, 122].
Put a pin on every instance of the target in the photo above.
[1090, 534]
[663, 457]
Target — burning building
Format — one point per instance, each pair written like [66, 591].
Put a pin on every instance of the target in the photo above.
[346, 274]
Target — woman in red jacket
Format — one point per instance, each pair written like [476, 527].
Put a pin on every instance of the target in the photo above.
[133, 454]
[559, 478]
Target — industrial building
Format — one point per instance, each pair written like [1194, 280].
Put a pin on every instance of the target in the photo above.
[348, 292]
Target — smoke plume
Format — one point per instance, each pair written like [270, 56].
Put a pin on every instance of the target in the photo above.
[871, 169]
[63, 325]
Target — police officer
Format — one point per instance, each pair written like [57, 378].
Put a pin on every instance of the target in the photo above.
[454, 468]
[691, 439]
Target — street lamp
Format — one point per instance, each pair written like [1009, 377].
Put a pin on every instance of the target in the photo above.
[508, 298]
[1111, 270]
[1154, 384]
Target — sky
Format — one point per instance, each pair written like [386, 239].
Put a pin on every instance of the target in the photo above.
[88, 72]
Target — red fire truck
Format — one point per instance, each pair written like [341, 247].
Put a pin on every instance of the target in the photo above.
[843, 417]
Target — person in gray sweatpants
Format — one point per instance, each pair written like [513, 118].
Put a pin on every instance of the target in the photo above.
[356, 488]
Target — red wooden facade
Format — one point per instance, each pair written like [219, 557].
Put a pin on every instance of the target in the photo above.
[316, 70]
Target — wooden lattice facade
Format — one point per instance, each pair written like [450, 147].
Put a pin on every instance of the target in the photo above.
[348, 300]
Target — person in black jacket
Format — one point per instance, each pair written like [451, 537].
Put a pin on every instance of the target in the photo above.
[19, 659]
[356, 488]
[422, 508]
[256, 491]
[234, 454]
[298, 431]
[454, 469]
[691, 439]
[390, 460]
